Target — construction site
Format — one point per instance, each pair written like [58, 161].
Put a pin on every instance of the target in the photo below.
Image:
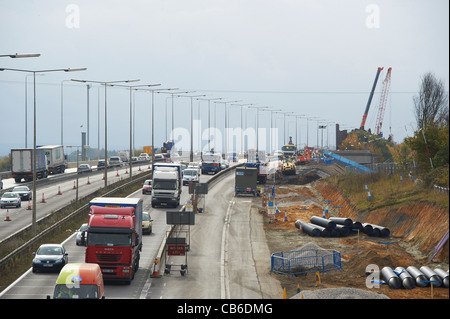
[337, 219]
[415, 230]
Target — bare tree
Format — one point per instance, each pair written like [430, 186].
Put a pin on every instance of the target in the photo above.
[431, 106]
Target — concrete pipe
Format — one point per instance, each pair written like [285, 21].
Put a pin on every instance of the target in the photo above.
[307, 228]
[357, 225]
[328, 224]
[367, 228]
[335, 232]
[408, 281]
[431, 276]
[418, 276]
[344, 230]
[323, 231]
[384, 232]
[375, 232]
[389, 276]
[444, 276]
[342, 221]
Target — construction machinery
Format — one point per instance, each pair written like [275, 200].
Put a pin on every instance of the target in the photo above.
[288, 168]
[305, 156]
[289, 150]
[363, 122]
[383, 100]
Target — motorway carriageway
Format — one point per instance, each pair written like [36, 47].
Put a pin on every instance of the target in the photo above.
[39, 285]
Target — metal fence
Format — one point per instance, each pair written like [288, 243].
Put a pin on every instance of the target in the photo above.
[304, 261]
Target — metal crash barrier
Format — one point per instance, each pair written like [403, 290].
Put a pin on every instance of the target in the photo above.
[304, 261]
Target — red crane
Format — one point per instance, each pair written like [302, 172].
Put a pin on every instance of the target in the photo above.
[383, 100]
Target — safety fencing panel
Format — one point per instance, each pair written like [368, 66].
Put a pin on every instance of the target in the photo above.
[304, 261]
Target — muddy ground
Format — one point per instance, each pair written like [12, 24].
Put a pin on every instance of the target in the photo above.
[405, 247]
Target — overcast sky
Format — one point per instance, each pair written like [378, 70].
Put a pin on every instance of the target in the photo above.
[318, 58]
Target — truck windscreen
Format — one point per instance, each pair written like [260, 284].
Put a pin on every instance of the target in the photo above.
[165, 184]
[108, 239]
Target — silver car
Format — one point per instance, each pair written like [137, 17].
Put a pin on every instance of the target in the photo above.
[10, 199]
[79, 236]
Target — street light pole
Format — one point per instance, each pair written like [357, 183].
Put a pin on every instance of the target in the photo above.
[153, 116]
[131, 87]
[209, 118]
[225, 124]
[33, 218]
[191, 156]
[105, 84]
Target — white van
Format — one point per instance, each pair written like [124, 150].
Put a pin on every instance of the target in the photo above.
[190, 174]
[115, 161]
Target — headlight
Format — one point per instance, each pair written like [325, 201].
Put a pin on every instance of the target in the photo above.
[36, 260]
[58, 261]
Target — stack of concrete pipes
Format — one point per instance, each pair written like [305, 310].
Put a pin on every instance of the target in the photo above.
[339, 227]
[411, 277]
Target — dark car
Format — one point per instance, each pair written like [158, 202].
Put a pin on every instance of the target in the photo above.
[50, 257]
[23, 191]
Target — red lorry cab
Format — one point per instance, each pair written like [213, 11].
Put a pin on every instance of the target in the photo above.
[114, 241]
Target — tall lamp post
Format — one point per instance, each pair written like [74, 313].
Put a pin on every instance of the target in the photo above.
[33, 218]
[131, 87]
[209, 118]
[153, 116]
[173, 94]
[225, 125]
[257, 124]
[242, 129]
[191, 156]
[105, 83]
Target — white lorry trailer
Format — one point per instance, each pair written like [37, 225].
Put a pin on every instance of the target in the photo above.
[22, 164]
[56, 161]
[166, 184]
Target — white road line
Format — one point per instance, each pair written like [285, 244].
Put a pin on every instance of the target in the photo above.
[224, 284]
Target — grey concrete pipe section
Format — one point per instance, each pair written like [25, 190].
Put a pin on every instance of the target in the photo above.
[408, 281]
[308, 228]
[328, 224]
[418, 276]
[444, 276]
[431, 276]
[389, 276]
[342, 221]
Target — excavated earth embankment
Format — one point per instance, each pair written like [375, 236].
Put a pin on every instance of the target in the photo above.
[415, 231]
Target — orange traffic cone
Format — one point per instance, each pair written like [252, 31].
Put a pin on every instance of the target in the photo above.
[59, 191]
[74, 187]
[29, 206]
[43, 199]
[7, 219]
[117, 173]
[155, 273]
[88, 182]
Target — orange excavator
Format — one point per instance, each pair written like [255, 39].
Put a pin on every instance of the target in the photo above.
[306, 157]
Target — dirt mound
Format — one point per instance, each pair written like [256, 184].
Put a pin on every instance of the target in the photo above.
[415, 231]
[422, 224]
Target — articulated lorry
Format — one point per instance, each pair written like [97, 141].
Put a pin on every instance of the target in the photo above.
[22, 164]
[246, 181]
[56, 161]
[114, 236]
[166, 184]
[211, 162]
